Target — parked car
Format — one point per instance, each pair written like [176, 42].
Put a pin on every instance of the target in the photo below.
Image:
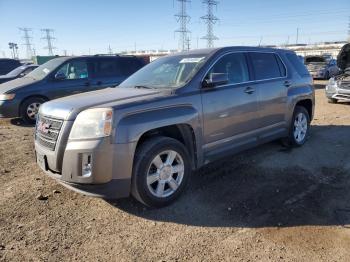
[338, 88]
[171, 117]
[60, 77]
[7, 65]
[20, 71]
[320, 67]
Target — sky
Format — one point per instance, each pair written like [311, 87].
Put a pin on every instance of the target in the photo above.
[90, 26]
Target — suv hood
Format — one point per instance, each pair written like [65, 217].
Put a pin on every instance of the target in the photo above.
[69, 107]
[15, 84]
[343, 59]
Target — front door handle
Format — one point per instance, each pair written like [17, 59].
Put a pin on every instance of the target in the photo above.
[287, 83]
[249, 90]
[86, 83]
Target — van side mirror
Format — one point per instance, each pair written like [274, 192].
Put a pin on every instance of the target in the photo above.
[60, 76]
[215, 79]
[22, 74]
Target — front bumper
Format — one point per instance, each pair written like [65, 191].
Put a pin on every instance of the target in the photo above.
[9, 109]
[111, 167]
[339, 94]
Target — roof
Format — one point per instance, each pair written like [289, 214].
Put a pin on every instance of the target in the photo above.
[210, 51]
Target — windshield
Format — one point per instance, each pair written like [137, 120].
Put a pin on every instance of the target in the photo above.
[45, 69]
[16, 71]
[315, 59]
[167, 72]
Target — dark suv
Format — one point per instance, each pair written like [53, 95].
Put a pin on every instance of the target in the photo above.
[62, 77]
[7, 65]
[173, 116]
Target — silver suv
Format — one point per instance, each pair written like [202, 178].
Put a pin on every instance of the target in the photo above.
[171, 117]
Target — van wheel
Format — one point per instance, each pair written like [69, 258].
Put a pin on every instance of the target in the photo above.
[299, 128]
[30, 108]
[161, 171]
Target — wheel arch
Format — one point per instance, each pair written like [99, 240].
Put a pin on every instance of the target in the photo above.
[29, 97]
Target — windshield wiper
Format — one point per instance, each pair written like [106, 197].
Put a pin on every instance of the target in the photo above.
[145, 87]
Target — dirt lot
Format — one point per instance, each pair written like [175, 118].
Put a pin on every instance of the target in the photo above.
[267, 204]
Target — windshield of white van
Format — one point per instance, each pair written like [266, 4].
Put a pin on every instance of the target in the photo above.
[167, 72]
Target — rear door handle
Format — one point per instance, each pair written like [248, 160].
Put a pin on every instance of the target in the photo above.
[249, 90]
[287, 83]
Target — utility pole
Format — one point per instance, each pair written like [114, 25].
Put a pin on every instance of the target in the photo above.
[297, 40]
[210, 20]
[27, 42]
[183, 18]
[110, 51]
[14, 49]
[48, 37]
[349, 30]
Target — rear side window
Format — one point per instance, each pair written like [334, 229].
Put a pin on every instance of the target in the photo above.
[267, 66]
[129, 65]
[297, 64]
[107, 68]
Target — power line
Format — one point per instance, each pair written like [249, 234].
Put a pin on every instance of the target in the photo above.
[48, 37]
[210, 20]
[27, 42]
[183, 18]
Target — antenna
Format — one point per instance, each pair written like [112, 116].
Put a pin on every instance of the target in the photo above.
[183, 18]
[48, 37]
[210, 20]
[27, 42]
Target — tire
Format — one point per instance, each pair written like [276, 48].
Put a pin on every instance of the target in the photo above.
[146, 162]
[29, 109]
[304, 128]
[332, 101]
[326, 75]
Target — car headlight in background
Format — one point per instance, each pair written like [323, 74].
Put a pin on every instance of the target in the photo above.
[332, 85]
[92, 123]
[5, 97]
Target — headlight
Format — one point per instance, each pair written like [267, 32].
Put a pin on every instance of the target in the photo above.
[5, 97]
[92, 123]
[332, 85]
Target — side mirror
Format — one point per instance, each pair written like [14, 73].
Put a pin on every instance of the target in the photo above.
[215, 79]
[60, 76]
[22, 74]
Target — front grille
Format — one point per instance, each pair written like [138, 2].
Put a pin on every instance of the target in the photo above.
[47, 131]
[345, 85]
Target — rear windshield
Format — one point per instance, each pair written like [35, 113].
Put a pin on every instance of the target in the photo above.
[315, 59]
[297, 64]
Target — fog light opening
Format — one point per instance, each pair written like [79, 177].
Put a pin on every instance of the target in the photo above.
[86, 165]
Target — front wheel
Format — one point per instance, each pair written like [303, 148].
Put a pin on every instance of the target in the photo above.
[30, 108]
[299, 128]
[161, 171]
[332, 101]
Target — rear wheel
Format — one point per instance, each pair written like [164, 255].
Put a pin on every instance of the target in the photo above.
[30, 108]
[161, 171]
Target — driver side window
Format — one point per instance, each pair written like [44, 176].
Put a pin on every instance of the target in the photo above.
[74, 70]
[234, 65]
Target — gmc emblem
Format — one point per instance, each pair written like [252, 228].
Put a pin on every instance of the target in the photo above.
[43, 127]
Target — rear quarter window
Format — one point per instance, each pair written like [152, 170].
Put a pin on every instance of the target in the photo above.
[297, 64]
[267, 66]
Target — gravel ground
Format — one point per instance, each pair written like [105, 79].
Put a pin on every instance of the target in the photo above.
[266, 204]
